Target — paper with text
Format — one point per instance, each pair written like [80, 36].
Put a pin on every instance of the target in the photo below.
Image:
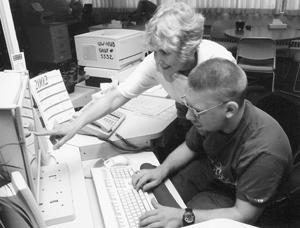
[52, 98]
[151, 106]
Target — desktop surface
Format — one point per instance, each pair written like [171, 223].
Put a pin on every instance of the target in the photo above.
[138, 129]
[81, 205]
[221, 223]
[136, 160]
[86, 207]
[82, 152]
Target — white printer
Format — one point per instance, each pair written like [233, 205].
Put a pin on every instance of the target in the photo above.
[109, 48]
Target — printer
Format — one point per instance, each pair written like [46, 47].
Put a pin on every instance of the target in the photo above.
[109, 54]
[109, 48]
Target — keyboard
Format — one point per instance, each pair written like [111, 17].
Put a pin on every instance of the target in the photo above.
[120, 204]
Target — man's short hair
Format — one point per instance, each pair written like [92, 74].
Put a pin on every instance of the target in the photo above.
[223, 76]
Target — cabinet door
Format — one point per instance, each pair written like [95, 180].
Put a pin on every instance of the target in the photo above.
[59, 32]
[49, 43]
[61, 51]
[60, 43]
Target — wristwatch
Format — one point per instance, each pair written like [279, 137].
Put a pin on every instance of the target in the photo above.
[188, 217]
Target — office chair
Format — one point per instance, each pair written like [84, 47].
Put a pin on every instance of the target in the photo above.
[258, 20]
[257, 55]
[285, 211]
[296, 58]
[217, 34]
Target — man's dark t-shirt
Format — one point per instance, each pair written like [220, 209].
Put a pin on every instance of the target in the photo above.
[254, 159]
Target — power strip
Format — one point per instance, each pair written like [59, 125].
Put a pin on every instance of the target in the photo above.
[55, 199]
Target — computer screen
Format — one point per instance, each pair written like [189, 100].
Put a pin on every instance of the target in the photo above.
[30, 155]
[13, 131]
[17, 119]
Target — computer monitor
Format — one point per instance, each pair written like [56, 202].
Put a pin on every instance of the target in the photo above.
[52, 105]
[30, 155]
[13, 90]
[15, 118]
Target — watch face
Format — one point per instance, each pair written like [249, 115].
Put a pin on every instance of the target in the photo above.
[189, 217]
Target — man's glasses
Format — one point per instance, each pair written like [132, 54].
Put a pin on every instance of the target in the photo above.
[198, 113]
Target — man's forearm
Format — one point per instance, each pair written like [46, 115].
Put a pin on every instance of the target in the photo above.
[181, 156]
[242, 211]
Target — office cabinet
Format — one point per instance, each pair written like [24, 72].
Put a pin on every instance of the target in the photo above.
[49, 43]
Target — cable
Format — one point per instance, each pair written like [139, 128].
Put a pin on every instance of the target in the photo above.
[125, 141]
[131, 147]
[9, 144]
[56, 162]
[140, 149]
[6, 177]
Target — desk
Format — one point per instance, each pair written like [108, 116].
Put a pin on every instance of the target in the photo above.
[82, 152]
[263, 31]
[70, 155]
[221, 223]
[81, 96]
[87, 210]
[138, 129]
[134, 159]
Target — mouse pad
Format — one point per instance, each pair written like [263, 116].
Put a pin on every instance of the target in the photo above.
[161, 192]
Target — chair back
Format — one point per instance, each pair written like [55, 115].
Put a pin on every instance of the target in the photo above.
[286, 206]
[257, 55]
[286, 110]
[256, 49]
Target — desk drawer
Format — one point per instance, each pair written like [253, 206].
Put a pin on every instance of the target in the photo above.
[61, 51]
[59, 32]
[49, 43]
[62, 45]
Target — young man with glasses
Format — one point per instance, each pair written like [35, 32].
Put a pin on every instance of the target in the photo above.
[234, 159]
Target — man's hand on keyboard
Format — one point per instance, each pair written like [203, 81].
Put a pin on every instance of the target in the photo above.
[147, 179]
[162, 216]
